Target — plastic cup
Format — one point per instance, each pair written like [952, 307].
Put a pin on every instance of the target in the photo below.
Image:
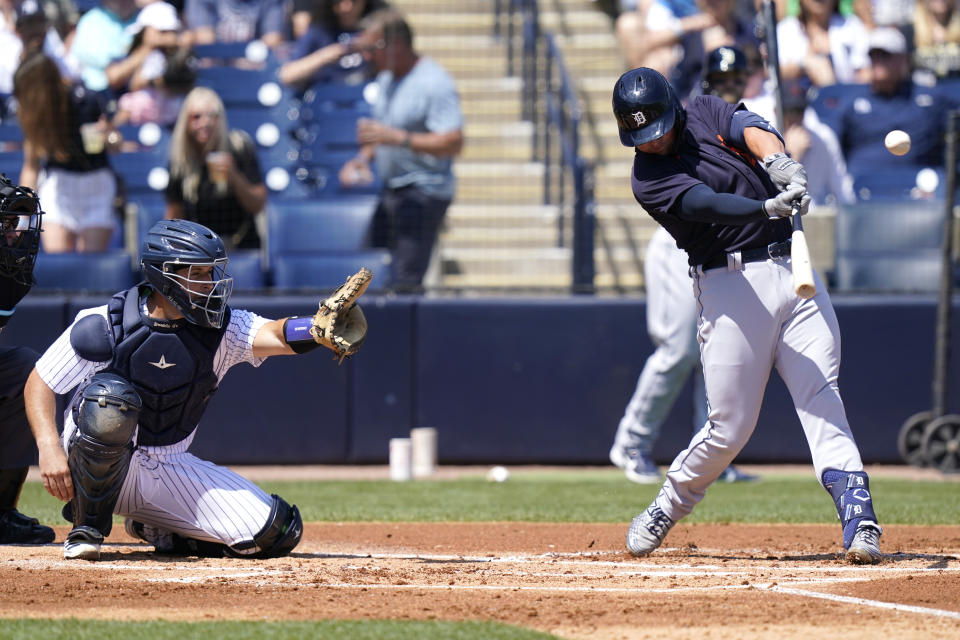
[92, 137]
[400, 459]
[215, 168]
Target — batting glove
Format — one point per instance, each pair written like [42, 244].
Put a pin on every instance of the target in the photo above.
[784, 170]
[804, 203]
[781, 205]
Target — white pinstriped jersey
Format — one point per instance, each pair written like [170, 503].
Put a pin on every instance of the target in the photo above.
[166, 486]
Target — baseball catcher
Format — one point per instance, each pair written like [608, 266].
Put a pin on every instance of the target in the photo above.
[143, 367]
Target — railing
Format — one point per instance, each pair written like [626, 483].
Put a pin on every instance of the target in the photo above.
[550, 103]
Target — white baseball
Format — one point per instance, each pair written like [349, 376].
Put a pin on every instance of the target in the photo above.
[897, 142]
[498, 474]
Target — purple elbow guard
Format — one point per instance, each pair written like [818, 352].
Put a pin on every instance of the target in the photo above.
[296, 333]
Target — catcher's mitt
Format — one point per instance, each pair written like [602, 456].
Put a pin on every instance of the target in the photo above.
[339, 324]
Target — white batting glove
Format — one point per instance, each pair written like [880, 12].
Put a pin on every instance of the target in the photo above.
[781, 205]
[784, 170]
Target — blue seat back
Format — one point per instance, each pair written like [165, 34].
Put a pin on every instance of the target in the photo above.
[93, 272]
[829, 102]
[889, 246]
[327, 271]
[319, 225]
[247, 270]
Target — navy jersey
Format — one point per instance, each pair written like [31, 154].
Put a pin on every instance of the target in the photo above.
[705, 157]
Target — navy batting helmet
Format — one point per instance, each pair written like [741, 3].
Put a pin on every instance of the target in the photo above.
[646, 106]
[725, 66]
[20, 221]
[174, 256]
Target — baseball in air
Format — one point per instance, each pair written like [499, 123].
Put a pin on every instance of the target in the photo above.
[498, 474]
[897, 142]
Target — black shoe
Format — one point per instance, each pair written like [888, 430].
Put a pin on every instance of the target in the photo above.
[16, 528]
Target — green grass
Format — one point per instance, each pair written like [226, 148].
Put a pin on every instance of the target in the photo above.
[578, 496]
[70, 629]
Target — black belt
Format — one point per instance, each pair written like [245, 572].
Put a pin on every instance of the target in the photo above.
[771, 251]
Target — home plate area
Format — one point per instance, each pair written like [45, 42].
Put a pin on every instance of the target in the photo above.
[572, 580]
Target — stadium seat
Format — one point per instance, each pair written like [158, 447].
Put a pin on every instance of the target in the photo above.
[889, 246]
[143, 212]
[244, 87]
[93, 272]
[141, 171]
[334, 97]
[319, 225]
[894, 184]
[11, 162]
[329, 270]
[246, 267]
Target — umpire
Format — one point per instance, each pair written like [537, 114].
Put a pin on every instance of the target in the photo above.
[20, 219]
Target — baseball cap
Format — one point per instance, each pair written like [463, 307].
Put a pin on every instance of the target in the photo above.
[794, 94]
[30, 10]
[159, 15]
[888, 39]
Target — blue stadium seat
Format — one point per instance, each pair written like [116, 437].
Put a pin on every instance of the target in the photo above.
[889, 246]
[246, 267]
[10, 164]
[243, 87]
[147, 210]
[94, 272]
[328, 271]
[893, 184]
[332, 97]
[319, 225]
[141, 171]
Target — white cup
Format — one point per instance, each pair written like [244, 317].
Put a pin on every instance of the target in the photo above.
[424, 444]
[92, 137]
[400, 459]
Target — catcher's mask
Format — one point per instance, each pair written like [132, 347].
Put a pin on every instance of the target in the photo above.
[20, 219]
[187, 263]
[646, 107]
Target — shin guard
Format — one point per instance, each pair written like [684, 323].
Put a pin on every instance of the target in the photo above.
[851, 495]
[98, 472]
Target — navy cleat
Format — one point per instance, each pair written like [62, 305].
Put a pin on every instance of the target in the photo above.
[637, 465]
[865, 547]
[648, 530]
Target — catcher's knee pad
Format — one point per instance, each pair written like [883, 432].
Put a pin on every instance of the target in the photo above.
[851, 495]
[107, 409]
[279, 535]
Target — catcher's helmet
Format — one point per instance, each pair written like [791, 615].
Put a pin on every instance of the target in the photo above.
[20, 240]
[723, 64]
[646, 106]
[171, 254]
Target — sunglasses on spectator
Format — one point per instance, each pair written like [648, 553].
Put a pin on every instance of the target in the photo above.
[213, 115]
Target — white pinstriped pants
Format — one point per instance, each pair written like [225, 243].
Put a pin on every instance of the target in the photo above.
[174, 490]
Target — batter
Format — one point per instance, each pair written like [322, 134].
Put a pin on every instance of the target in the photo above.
[716, 177]
[144, 366]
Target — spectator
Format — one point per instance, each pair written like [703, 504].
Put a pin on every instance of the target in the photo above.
[893, 102]
[102, 37]
[64, 157]
[154, 52]
[677, 34]
[236, 21]
[325, 51]
[824, 45]
[415, 132]
[215, 178]
[935, 33]
[27, 31]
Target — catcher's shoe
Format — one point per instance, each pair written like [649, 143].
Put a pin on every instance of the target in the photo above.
[82, 543]
[161, 539]
[637, 465]
[732, 474]
[865, 546]
[648, 530]
[16, 528]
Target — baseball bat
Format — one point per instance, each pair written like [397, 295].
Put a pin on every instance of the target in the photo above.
[800, 259]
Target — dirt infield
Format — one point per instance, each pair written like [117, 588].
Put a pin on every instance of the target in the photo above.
[574, 580]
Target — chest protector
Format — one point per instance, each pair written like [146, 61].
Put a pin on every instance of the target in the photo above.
[169, 363]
